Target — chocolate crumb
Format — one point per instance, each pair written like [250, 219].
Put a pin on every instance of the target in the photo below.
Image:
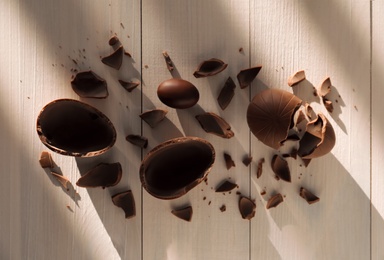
[209, 203]
[241, 49]
[263, 192]
[204, 198]
[122, 25]
[223, 208]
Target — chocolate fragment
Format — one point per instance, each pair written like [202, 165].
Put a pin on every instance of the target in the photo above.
[296, 78]
[260, 167]
[274, 201]
[328, 104]
[168, 61]
[176, 166]
[113, 40]
[247, 208]
[70, 127]
[129, 86]
[306, 161]
[229, 163]
[270, 115]
[247, 160]
[280, 168]
[226, 93]
[223, 208]
[103, 175]
[246, 76]
[64, 181]
[126, 201]
[214, 124]
[226, 186]
[138, 140]
[46, 160]
[115, 59]
[209, 68]
[88, 84]
[154, 116]
[263, 192]
[178, 93]
[184, 213]
[325, 87]
[308, 196]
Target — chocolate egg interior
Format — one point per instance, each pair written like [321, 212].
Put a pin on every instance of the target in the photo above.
[71, 127]
[176, 166]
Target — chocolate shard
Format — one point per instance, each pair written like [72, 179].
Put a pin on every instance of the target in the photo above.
[260, 167]
[129, 86]
[184, 213]
[64, 181]
[226, 186]
[223, 208]
[229, 163]
[46, 160]
[280, 168]
[103, 175]
[113, 40]
[306, 161]
[247, 208]
[154, 117]
[246, 76]
[226, 93]
[168, 61]
[209, 68]
[325, 87]
[214, 124]
[138, 140]
[88, 84]
[115, 59]
[270, 115]
[328, 104]
[308, 196]
[296, 78]
[178, 93]
[274, 201]
[126, 201]
[247, 160]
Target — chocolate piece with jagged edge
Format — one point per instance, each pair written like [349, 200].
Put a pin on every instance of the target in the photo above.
[246, 76]
[229, 163]
[247, 208]
[103, 175]
[154, 117]
[126, 201]
[138, 140]
[210, 67]
[280, 168]
[115, 59]
[226, 186]
[184, 213]
[226, 93]
[214, 124]
[46, 160]
[88, 84]
[274, 201]
[129, 86]
[308, 196]
[296, 78]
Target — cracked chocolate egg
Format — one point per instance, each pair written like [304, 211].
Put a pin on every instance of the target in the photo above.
[176, 166]
[270, 115]
[71, 127]
[178, 93]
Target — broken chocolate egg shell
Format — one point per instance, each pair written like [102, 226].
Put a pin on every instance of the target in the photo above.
[226, 93]
[176, 166]
[46, 160]
[153, 117]
[209, 68]
[247, 208]
[226, 186]
[184, 213]
[70, 127]
[325, 87]
[214, 124]
[229, 163]
[246, 76]
[126, 201]
[274, 201]
[318, 140]
[88, 84]
[308, 196]
[270, 115]
[129, 86]
[178, 93]
[103, 175]
[296, 78]
[115, 59]
[280, 168]
[137, 140]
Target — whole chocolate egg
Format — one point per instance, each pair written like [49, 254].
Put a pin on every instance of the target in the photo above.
[178, 93]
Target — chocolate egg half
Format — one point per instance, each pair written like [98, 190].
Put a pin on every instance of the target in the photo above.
[176, 166]
[178, 93]
[70, 127]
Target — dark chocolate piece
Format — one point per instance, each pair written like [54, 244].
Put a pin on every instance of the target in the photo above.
[129, 86]
[308, 196]
[71, 127]
[209, 68]
[270, 114]
[176, 166]
[46, 160]
[325, 87]
[226, 93]
[113, 40]
[138, 140]
[154, 116]
[226, 186]
[246, 76]
[126, 201]
[306, 161]
[280, 168]
[223, 208]
[296, 78]
[168, 61]
[88, 84]
[214, 124]
[247, 208]
[247, 160]
[229, 163]
[178, 93]
[260, 167]
[184, 213]
[274, 201]
[64, 181]
[103, 175]
[115, 59]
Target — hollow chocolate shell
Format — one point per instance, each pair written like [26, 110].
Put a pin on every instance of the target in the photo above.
[70, 127]
[178, 93]
[270, 115]
[103, 175]
[184, 213]
[245, 77]
[209, 68]
[88, 84]
[214, 124]
[126, 202]
[176, 166]
[247, 208]
[115, 59]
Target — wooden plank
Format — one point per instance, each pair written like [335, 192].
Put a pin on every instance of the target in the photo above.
[193, 31]
[43, 39]
[377, 209]
[327, 38]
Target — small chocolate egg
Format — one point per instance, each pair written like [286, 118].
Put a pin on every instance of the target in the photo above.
[178, 93]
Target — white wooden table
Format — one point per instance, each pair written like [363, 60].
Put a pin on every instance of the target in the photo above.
[336, 38]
